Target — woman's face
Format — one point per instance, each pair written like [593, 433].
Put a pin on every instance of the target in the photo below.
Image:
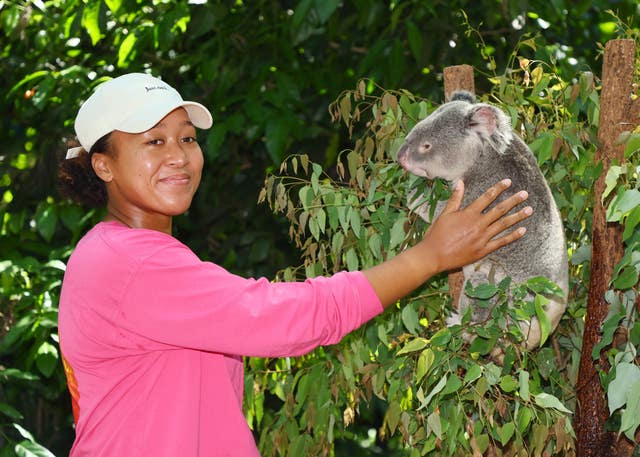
[153, 175]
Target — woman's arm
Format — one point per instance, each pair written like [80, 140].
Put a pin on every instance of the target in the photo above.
[456, 238]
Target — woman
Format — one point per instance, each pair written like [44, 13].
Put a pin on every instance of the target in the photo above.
[152, 337]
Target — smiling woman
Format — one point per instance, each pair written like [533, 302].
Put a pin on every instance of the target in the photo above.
[151, 176]
[152, 337]
[139, 150]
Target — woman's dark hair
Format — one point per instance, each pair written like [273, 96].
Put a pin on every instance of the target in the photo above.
[78, 181]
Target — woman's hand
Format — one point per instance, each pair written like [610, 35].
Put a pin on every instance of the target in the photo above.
[461, 237]
[456, 238]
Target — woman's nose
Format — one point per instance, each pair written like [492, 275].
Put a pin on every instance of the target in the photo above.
[176, 154]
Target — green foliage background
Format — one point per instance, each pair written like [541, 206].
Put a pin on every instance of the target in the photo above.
[269, 71]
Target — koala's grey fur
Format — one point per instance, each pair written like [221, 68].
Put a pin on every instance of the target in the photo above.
[474, 142]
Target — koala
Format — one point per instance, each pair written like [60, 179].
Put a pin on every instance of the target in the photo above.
[474, 142]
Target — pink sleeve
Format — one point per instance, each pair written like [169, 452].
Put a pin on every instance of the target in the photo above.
[189, 303]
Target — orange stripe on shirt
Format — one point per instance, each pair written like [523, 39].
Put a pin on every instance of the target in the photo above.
[72, 383]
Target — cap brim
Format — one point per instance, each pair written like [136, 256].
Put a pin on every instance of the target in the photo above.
[199, 115]
[146, 119]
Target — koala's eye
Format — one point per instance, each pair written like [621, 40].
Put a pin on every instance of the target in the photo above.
[424, 147]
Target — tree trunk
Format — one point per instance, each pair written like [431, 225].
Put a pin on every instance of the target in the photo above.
[615, 110]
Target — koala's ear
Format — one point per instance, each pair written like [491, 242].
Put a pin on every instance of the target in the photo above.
[484, 119]
[492, 124]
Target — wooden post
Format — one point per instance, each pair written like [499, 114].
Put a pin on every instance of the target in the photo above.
[615, 110]
[458, 77]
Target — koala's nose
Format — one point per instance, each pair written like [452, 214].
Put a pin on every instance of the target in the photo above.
[402, 154]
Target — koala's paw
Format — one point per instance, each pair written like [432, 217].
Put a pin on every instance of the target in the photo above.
[454, 319]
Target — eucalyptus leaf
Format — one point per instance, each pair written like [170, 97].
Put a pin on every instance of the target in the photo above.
[433, 392]
[546, 400]
[620, 388]
[416, 344]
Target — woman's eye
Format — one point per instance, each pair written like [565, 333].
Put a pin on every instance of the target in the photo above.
[154, 142]
[189, 139]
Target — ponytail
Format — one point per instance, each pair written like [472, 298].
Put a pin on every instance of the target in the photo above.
[77, 179]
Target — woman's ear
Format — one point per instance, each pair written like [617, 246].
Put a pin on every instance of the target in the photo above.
[101, 165]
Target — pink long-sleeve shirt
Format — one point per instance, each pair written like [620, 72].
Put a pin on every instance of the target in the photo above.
[152, 339]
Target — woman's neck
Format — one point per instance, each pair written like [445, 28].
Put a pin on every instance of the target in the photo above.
[161, 223]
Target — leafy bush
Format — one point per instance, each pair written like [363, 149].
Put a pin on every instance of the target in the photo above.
[33, 387]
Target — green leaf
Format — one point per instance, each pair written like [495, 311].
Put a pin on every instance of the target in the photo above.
[623, 204]
[436, 389]
[31, 449]
[549, 401]
[10, 411]
[544, 286]
[343, 217]
[306, 196]
[42, 96]
[630, 419]
[425, 362]
[27, 79]
[26, 434]
[47, 358]
[523, 419]
[523, 383]
[633, 144]
[482, 441]
[17, 374]
[353, 263]
[113, 5]
[482, 345]
[473, 373]
[393, 416]
[91, 21]
[375, 246]
[413, 345]
[355, 222]
[619, 390]
[508, 383]
[542, 147]
[453, 385]
[56, 264]
[315, 177]
[17, 331]
[611, 180]
[630, 223]
[125, 49]
[435, 424]
[482, 291]
[11, 19]
[314, 229]
[506, 432]
[397, 232]
[410, 319]
[441, 338]
[626, 279]
[581, 255]
[539, 303]
[46, 220]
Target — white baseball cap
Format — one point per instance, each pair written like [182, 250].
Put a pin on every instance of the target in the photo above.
[131, 103]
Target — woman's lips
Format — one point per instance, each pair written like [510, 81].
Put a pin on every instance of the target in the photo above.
[176, 179]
